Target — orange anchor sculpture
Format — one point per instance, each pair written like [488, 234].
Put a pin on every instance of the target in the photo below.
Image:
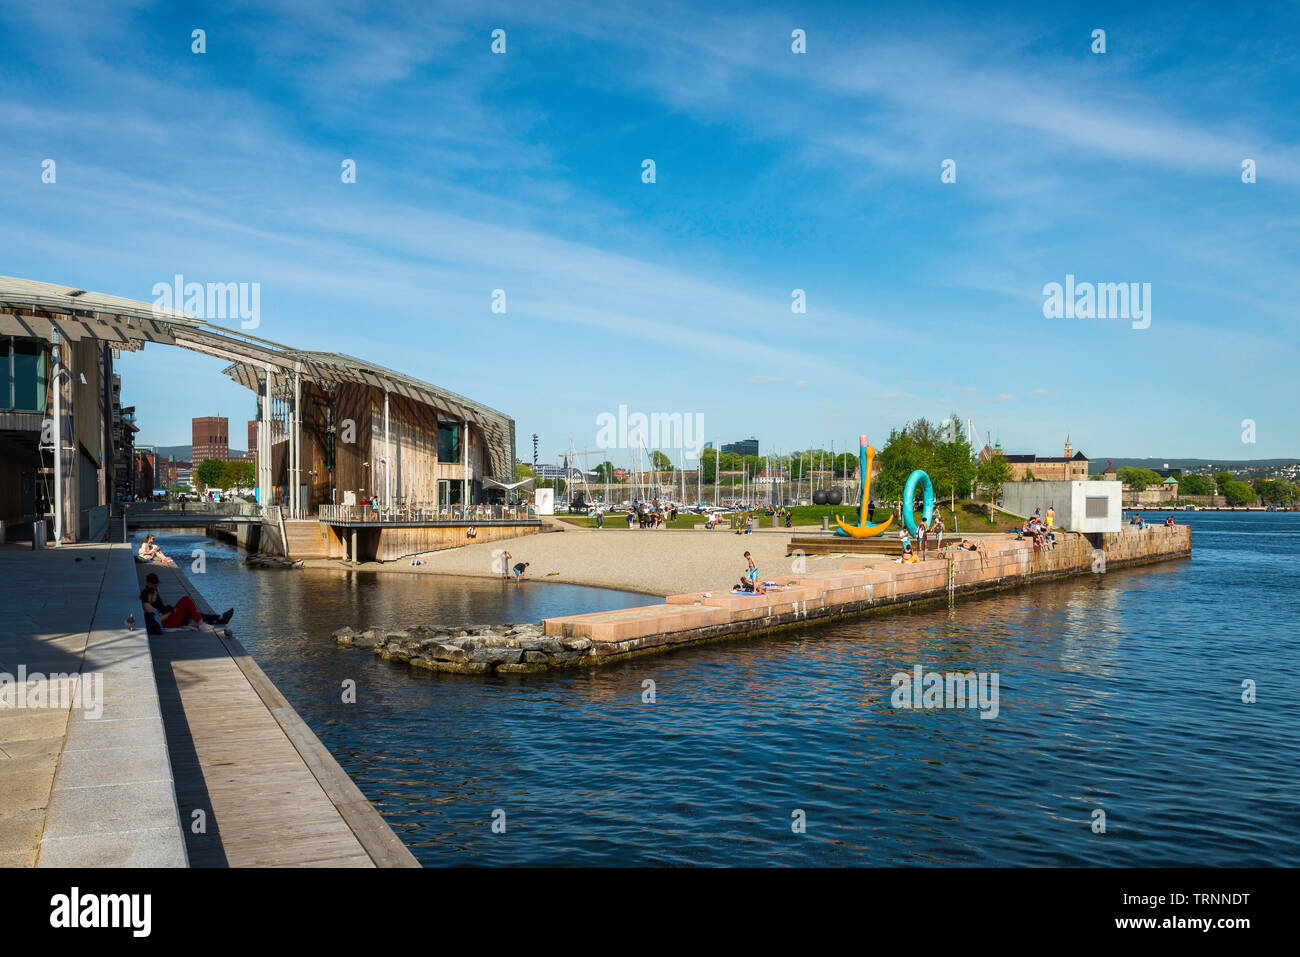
[864, 528]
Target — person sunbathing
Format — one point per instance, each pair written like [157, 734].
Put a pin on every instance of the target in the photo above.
[150, 552]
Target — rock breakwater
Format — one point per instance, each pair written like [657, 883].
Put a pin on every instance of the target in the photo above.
[504, 649]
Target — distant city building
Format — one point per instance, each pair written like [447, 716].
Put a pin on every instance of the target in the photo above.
[1070, 466]
[145, 471]
[210, 438]
[568, 473]
[741, 448]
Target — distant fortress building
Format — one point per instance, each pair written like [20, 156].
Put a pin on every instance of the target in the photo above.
[1070, 466]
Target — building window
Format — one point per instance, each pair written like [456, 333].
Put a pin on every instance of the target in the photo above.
[24, 364]
[448, 441]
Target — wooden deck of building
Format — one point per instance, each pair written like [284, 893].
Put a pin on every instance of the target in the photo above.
[271, 795]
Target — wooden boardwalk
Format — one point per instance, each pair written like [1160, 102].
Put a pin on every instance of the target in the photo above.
[270, 794]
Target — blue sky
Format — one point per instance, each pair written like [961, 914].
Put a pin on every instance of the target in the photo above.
[775, 171]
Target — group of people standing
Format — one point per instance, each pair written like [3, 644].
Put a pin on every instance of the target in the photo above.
[924, 532]
[644, 515]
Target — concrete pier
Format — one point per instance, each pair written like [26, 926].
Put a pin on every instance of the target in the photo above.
[861, 586]
[267, 792]
[118, 749]
[856, 585]
[85, 777]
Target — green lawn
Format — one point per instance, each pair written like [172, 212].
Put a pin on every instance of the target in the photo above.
[971, 517]
[619, 520]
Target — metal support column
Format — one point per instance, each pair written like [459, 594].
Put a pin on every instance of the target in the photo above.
[296, 510]
[388, 488]
[264, 441]
[58, 438]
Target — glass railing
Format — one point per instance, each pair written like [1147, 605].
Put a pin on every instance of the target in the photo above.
[401, 514]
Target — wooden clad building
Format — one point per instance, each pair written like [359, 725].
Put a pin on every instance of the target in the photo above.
[332, 428]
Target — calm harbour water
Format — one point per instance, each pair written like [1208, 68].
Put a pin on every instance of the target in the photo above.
[1120, 692]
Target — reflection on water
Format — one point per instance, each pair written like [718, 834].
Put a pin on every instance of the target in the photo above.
[1120, 692]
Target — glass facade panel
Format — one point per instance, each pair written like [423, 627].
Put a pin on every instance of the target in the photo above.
[28, 374]
[448, 441]
[6, 368]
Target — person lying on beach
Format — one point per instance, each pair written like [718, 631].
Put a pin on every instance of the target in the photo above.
[149, 552]
[967, 545]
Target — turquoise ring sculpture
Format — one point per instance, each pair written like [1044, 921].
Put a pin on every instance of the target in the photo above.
[927, 512]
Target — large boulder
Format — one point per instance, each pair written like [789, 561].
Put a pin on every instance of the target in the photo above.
[496, 656]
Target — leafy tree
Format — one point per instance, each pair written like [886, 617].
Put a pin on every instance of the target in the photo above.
[1029, 476]
[211, 473]
[1138, 478]
[845, 464]
[753, 464]
[523, 471]
[605, 472]
[660, 462]
[953, 469]
[709, 466]
[992, 474]
[1221, 479]
[1195, 485]
[238, 475]
[1238, 493]
[801, 463]
[1275, 491]
[900, 456]
[942, 452]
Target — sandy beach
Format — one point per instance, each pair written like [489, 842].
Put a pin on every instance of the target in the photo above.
[656, 562]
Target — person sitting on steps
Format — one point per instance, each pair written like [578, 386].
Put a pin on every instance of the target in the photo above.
[158, 615]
